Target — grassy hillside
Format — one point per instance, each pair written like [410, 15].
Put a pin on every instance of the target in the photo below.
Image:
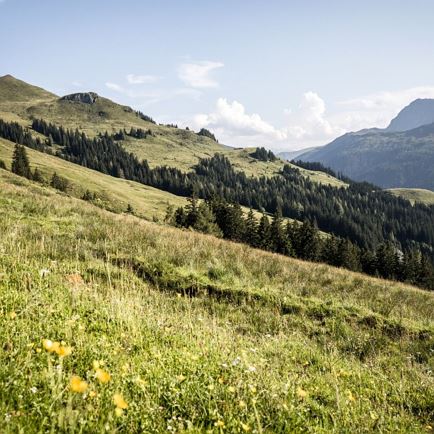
[167, 146]
[196, 334]
[114, 194]
[415, 194]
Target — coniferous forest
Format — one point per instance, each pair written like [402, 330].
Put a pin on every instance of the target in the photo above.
[366, 222]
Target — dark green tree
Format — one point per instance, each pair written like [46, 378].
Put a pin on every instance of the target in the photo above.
[20, 162]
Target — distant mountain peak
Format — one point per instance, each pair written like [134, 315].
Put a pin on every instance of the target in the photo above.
[83, 97]
[417, 113]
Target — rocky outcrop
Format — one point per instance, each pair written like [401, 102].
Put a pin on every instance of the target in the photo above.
[83, 97]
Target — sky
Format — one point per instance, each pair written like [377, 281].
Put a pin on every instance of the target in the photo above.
[281, 74]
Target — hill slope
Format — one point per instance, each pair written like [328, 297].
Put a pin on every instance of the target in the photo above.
[111, 193]
[166, 145]
[387, 159]
[415, 195]
[196, 333]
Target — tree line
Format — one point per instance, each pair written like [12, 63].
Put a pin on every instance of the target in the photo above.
[301, 240]
[362, 213]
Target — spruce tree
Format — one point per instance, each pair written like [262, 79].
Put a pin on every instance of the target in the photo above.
[20, 162]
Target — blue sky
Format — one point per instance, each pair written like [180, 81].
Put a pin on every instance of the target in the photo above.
[284, 74]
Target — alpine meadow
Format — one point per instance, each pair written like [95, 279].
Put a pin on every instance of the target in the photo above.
[215, 218]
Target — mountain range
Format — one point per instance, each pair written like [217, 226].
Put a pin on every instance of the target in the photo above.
[401, 155]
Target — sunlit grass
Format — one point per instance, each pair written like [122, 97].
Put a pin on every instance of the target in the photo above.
[112, 324]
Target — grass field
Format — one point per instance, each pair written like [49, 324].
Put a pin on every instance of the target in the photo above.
[155, 329]
[114, 194]
[415, 194]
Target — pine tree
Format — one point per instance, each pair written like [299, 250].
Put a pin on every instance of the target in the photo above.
[264, 234]
[278, 239]
[250, 235]
[37, 176]
[20, 162]
[59, 182]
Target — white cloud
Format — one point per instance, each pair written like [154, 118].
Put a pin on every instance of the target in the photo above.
[141, 79]
[378, 109]
[115, 87]
[306, 126]
[309, 122]
[231, 119]
[197, 74]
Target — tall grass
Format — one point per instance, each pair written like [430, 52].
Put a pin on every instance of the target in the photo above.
[194, 333]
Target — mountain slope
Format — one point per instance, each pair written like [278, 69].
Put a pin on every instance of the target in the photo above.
[196, 333]
[419, 112]
[387, 159]
[111, 193]
[166, 145]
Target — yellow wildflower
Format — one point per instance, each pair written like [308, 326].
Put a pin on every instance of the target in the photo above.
[119, 401]
[242, 404]
[92, 394]
[12, 315]
[231, 389]
[119, 412]
[219, 424]
[245, 427]
[221, 380]
[301, 393]
[77, 384]
[64, 351]
[47, 344]
[181, 378]
[102, 376]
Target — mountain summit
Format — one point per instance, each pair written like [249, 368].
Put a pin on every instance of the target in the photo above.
[419, 112]
[401, 155]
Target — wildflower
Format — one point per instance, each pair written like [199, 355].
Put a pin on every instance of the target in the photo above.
[102, 376]
[33, 389]
[251, 369]
[219, 424]
[47, 344]
[245, 427]
[97, 364]
[12, 315]
[181, 378]
[231, 389]
[301, 393]
[77, 384]
[221, 380]
[64, 351]
[242, 404]
[252, 389]
[38, 350]
[119, 401]
[92, 394]
[119, 412]
[211, 387]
